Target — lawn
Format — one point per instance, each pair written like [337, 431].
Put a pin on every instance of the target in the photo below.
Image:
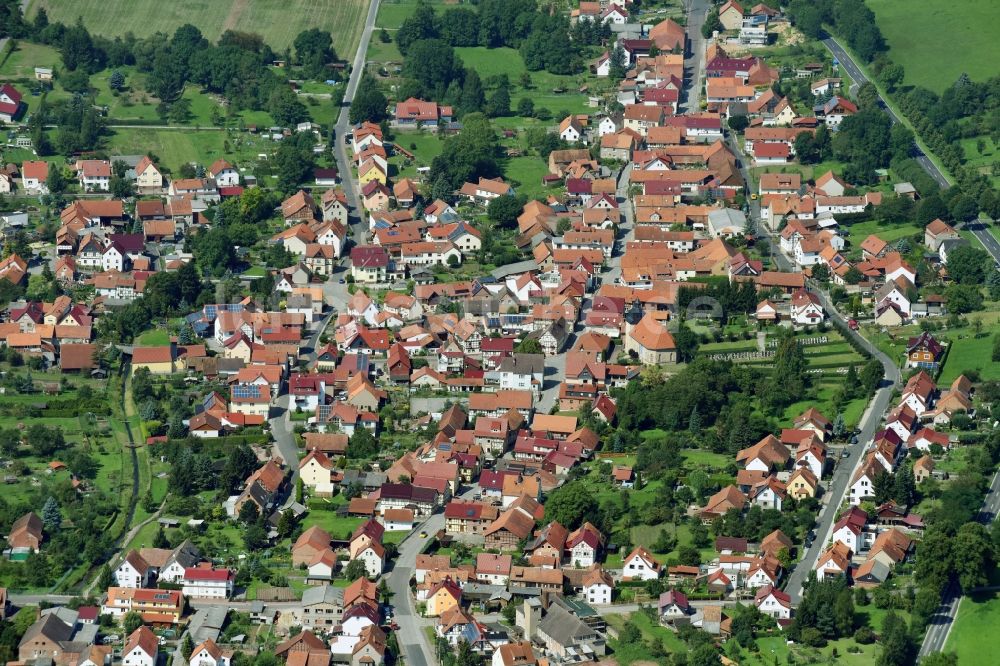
[981, 161]
[279, 21]
[425, 146]
[890, 233]
[21, 62]
[154, 338]
[392, 13]
[556, 93]
[174, 148]
[629, 653]
[807, 171]
[977, 620]
[937, 40]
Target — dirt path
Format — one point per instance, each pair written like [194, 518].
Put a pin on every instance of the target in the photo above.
[235, 12]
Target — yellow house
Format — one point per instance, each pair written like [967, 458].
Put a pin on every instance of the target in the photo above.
[147, 175]
[314, 470]
[237, 347]
[802, 483]
[369, 171]
[443, 597]
[158, 360]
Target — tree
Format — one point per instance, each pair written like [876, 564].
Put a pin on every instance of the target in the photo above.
[422, 25]
[116, 81]
[249, 513]
[897, 644]
[529, 346]
[974, 556]
[285, 107]
[473, 98]
[968, 265]
[362, 444]
[740, 122]
[187, 646]
[871, 375]
[688, 556]
[51, 515]
[964, 298]
[526, 107]
[931, 208]
[313, 50]
[255, 537]
[890, 76]
[504, 210]
[571, 505]
[433, 64]
[369, 103]
[160, 539]
[498, 105]
[712, 23]
[904, 486]
[105, 579]
[934, 559]
[131, 622]
[355, 569]
[618, 65]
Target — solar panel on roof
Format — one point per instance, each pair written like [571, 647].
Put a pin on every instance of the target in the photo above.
[246, 391]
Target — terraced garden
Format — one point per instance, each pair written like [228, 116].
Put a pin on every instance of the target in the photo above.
[828, 361]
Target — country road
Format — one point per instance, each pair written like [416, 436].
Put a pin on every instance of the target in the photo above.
[982, 233]
[941, 622]
[859, 77]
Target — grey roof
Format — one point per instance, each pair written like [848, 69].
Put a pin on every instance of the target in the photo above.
[726, 217]
[323, 594]
[49, 626]
[514, 269]
[565, 628]
[524, 364]
[186, 555]
[880, 570]
[207, 623]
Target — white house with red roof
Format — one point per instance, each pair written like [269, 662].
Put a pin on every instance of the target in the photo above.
[141, 648]
[640, 565]
[805, 308]
[583, 545]
[10, 103]
[772, 602]
[207, 583]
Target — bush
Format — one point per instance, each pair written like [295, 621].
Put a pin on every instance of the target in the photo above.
[864, 636]
[812, 637]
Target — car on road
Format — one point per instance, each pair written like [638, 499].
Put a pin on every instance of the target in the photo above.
[423, 534]
[845, 454]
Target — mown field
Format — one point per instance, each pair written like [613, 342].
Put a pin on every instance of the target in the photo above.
[974, 632]
[937, 40]
[278, 21]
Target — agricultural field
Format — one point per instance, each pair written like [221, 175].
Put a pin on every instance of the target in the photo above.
[278, 21]
[937, 40]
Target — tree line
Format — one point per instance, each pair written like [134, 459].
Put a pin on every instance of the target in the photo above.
[238, 66]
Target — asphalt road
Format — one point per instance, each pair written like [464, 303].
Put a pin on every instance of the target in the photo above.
[411, 637]
[697, 11]
[982, 233]
[941, 622]
[343, 125]
[838, 485]
[859, 77]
